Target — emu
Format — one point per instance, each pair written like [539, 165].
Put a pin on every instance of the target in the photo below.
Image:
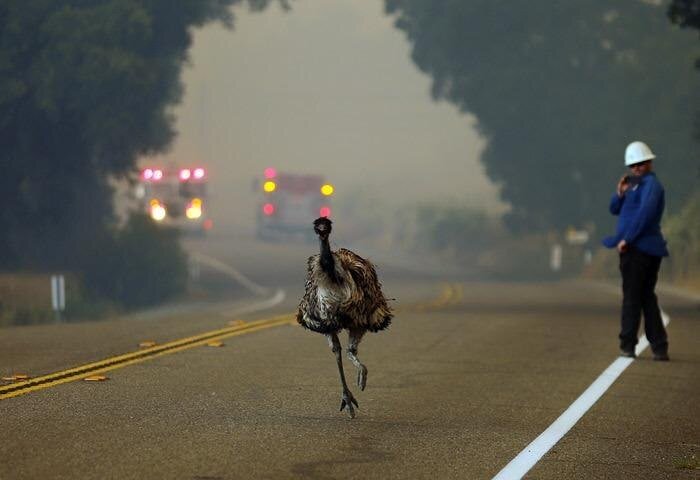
[342, 292]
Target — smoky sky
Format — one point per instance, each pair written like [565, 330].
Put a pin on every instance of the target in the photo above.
[327, 88]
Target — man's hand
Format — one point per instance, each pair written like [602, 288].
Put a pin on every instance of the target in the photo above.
[622, 246]
[622, 186]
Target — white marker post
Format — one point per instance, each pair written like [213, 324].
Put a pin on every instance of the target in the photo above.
[195, 269]
[555, 257]
[58, 295]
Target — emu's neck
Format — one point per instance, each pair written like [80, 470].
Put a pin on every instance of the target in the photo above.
[327, 261]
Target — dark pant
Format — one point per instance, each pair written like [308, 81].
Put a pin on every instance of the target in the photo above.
[639, 274]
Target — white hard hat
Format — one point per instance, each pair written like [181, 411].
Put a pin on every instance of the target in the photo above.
[638, 152]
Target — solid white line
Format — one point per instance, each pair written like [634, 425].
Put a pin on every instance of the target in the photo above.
[276, 299]
[520, 465]
[231, 272]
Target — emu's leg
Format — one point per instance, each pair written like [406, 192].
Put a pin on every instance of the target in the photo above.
[354, 337]
[347, 400]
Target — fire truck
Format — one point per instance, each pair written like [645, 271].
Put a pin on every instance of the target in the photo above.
[289, 203]
[175, 196]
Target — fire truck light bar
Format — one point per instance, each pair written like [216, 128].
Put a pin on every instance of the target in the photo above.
[152, 174]
[186, 174]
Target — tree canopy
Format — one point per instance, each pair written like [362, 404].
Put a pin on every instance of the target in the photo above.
[685, 13]
[559, 89]
[85, 87]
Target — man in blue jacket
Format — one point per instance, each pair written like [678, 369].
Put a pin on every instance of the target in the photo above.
[639, 204]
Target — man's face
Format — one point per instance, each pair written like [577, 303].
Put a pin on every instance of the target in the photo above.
[641, 168]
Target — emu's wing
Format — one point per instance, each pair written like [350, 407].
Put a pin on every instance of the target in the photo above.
[369, 299]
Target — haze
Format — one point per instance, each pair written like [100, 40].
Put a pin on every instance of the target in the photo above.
[326, 88]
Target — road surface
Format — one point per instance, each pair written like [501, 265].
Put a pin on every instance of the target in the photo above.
[469, 374]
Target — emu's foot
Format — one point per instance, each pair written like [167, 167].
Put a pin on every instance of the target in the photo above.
[347, 401]
[362, 377]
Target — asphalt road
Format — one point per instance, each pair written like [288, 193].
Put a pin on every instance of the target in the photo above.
[469, 374]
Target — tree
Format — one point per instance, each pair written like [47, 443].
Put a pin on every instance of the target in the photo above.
[685, 13]
[559, 89]
[138, 265]
[85, 88]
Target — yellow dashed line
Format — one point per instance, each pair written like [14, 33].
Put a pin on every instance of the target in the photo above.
[459, 293]
[451, 294]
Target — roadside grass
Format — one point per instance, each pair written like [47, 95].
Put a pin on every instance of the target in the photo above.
[25, 299]
[692, 284]
[687, 463]
[605, 266]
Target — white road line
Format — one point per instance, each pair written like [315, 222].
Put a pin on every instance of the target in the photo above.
[276, 299]
[231, 272]
[520, 465]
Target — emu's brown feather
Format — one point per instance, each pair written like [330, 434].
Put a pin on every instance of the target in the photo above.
[354, 302]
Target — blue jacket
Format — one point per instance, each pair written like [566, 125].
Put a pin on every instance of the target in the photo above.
[639, 223]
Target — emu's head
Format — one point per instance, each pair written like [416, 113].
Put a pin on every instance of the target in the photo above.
[322, 227]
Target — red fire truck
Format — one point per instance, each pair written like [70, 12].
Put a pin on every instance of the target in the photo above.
[289, 203]
[175, 196]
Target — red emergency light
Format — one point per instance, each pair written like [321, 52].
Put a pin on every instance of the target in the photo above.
[187, 174]
[325, 212]
[268, 209]
[270, 173]
[152, 174]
